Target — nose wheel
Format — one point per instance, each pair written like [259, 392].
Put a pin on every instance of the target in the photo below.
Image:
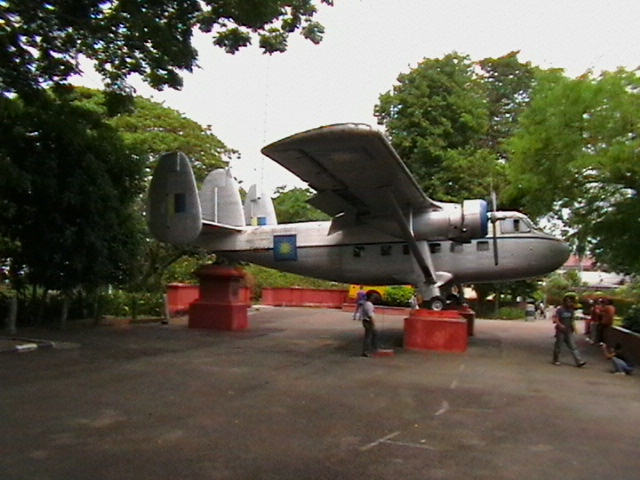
[435, 303]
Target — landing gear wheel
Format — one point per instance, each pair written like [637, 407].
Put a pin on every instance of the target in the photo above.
[436, 303]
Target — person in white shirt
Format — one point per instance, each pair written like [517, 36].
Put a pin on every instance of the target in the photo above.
[370, 343]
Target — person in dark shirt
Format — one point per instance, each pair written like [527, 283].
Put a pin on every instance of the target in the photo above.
[607, 316]
[563, 319]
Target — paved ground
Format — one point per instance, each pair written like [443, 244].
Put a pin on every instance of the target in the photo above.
[291, 399]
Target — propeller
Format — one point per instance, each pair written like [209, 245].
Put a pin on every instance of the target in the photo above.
[494, 221]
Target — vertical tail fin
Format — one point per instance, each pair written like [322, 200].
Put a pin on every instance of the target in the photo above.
[258, 208]
[173, 209]
[220, 199]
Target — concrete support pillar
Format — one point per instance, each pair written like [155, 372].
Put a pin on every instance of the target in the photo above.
[221, 305]
[436, 330]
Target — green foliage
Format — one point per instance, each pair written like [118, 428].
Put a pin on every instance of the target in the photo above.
[630, 291]
[67, 186]
[397, 296]
[291, 206]
[182, 270]
[510, 313]
[631, 320]
[575, 154]
[558, 284]
[507, 83]
[448, 119]
[41, 307]
[43, 40]
[259, 277]
[149, 129]
[123, 303]
[437, 111]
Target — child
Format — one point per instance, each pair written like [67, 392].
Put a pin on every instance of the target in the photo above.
[621, 364]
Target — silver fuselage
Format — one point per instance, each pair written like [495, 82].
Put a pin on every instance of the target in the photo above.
[365, 255]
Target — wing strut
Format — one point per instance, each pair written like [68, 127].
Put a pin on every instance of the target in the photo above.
[421, 255]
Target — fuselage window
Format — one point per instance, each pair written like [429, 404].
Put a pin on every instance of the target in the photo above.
[385, 250]
[456, 247]
[483, 246]
[435, 247]
[405, 249]
[358, 251]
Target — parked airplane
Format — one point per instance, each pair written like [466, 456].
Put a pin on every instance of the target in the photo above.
[384, 229]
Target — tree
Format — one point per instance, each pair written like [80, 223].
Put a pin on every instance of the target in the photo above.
[68, 187]
[575, 154]
[53, 189]
[43, 40]
[149, 130]
[449, 119]
[507, 83]
[291, 206]
[436, 117]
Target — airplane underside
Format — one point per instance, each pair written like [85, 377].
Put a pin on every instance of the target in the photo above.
[391, 264]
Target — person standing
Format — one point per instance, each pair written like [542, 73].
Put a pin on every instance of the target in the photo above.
[360, 299]
[596, 321]
[370, 342]
[563, 320]
[608, 312]
[413, 303]
[590, 323]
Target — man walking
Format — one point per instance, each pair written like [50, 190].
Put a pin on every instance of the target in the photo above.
[563, 320]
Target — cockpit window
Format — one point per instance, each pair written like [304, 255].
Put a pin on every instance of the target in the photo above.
[514, 225]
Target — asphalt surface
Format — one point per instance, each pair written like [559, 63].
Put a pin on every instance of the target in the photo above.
[291, 398]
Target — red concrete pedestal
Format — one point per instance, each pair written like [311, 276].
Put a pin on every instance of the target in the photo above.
[436, 330]
[221, 305]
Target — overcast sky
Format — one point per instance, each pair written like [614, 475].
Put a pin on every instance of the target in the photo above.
[251, 99]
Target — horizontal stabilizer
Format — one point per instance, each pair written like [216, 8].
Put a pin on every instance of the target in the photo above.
[174, 214]
[218, 229]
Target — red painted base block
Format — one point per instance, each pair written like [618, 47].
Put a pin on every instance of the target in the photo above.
[218, 316]
[435, 331]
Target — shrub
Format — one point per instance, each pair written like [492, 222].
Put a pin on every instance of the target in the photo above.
[631, 321]
[511, 313]
[397, 296]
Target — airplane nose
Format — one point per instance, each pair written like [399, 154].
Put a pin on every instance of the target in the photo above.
[558, 254]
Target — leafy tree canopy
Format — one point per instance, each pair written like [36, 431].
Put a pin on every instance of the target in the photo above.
[291, 206]
[448, 119]
[67, 188]
[43, 40]
[576, 154]
[150, 129]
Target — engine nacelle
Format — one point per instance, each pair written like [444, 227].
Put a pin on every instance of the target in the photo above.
[459, 222]
[474, 220]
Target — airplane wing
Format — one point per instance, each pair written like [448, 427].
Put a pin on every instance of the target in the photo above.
[353, 167]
